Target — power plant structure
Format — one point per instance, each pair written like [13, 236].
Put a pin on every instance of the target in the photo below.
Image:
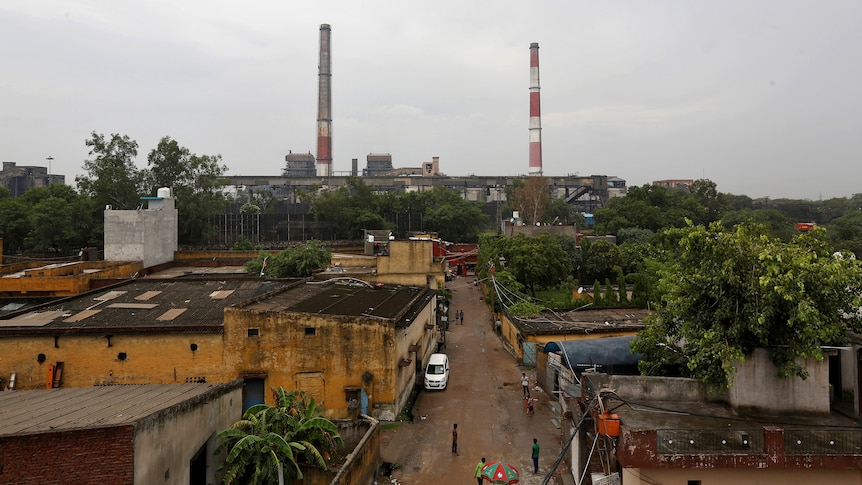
[324, 104]
[535, 113]
[304, 173]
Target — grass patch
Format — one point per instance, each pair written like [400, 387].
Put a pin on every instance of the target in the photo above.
[390, 426]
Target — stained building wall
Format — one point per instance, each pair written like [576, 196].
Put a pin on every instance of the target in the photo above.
[88, 360]
[326, 355]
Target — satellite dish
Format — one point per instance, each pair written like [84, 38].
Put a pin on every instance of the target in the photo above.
[580, 290]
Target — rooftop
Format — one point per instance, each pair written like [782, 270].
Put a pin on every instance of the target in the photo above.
[684, 424]
[142, 305]
[601, 320]
[54, 410]
[347, 297]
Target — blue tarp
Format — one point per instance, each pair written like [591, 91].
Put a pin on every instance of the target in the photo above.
[608, 351]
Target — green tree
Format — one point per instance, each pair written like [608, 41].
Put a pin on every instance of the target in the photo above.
[269, 437]
[112, 177]
[61, 221]
[530, 199]
[845, 232]
[729, 292]
[293, 262]
[349, 209]
[601, 259]
[777, 222]
[649, 207]
[15, 224]
[196, 181]
[452, 217]
[560, 212]
[535, 261]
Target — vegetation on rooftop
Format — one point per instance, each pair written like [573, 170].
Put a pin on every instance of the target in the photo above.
[298, 261]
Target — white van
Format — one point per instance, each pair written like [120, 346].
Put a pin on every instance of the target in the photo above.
[437, 372]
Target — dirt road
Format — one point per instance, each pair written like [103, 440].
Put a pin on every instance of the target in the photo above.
[484, 398]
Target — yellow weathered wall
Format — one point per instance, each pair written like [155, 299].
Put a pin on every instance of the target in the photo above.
[339, 353]
[336, 356]
[353, 260]
[510, 335]
[88, 361]
[413, 374]
[65, 280]
[183, 256]
[411, 263]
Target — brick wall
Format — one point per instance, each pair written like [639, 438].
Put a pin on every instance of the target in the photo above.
[92, 457]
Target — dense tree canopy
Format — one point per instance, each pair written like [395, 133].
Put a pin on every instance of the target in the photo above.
[196, 182]
[650, 207]
[112, 177]
[348, 209]
[728, 292]
[534, 261]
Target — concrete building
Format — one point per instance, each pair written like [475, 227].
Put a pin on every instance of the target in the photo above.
[299, 165]
[115, 434]
[148, 235]
[525, 336]
[336, 341]
[764, 429]
[356, 347]
[415, 262]
[21, 178]
[683, 184]
[377, 163]
[585, 193]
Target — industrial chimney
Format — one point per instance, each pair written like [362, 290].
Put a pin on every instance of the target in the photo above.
[535, 113]
[324, 106]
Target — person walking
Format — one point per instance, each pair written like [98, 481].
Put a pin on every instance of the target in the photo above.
[479, 468]
[535, 455]
[462, 317]
[455, 438]
[525, 383]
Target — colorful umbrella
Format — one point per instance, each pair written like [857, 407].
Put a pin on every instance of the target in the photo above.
[500, 473]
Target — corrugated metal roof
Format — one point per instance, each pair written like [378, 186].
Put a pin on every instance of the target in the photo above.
[121, 308]
[386, 301]
[53, 410]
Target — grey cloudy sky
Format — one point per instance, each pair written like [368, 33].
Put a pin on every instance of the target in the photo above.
[762, 97]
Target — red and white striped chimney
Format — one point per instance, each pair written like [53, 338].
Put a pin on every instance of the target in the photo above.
[535, 113]
[324, 105]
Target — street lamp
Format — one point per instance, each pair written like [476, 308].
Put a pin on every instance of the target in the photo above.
[50, 159]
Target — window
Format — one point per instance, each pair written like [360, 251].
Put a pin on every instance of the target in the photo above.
[694, 482]
[254, 332]
[310, 331]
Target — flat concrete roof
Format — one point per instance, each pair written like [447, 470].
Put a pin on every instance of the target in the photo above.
[54, 410]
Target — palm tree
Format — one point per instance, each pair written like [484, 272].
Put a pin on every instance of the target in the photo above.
[268, 437]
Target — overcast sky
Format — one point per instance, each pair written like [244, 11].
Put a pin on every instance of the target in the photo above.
[762, 97]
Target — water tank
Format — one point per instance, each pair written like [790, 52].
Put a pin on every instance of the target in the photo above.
[163, 192]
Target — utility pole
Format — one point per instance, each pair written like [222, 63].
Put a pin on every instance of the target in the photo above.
[49, 159]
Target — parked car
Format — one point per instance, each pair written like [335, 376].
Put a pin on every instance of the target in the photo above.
[437, 372]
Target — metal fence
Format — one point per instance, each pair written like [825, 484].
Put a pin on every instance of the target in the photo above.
[712, 441]
[822, 441]
[284, 228]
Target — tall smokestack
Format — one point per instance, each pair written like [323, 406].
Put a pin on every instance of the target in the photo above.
[324, 105]
[535, 113]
